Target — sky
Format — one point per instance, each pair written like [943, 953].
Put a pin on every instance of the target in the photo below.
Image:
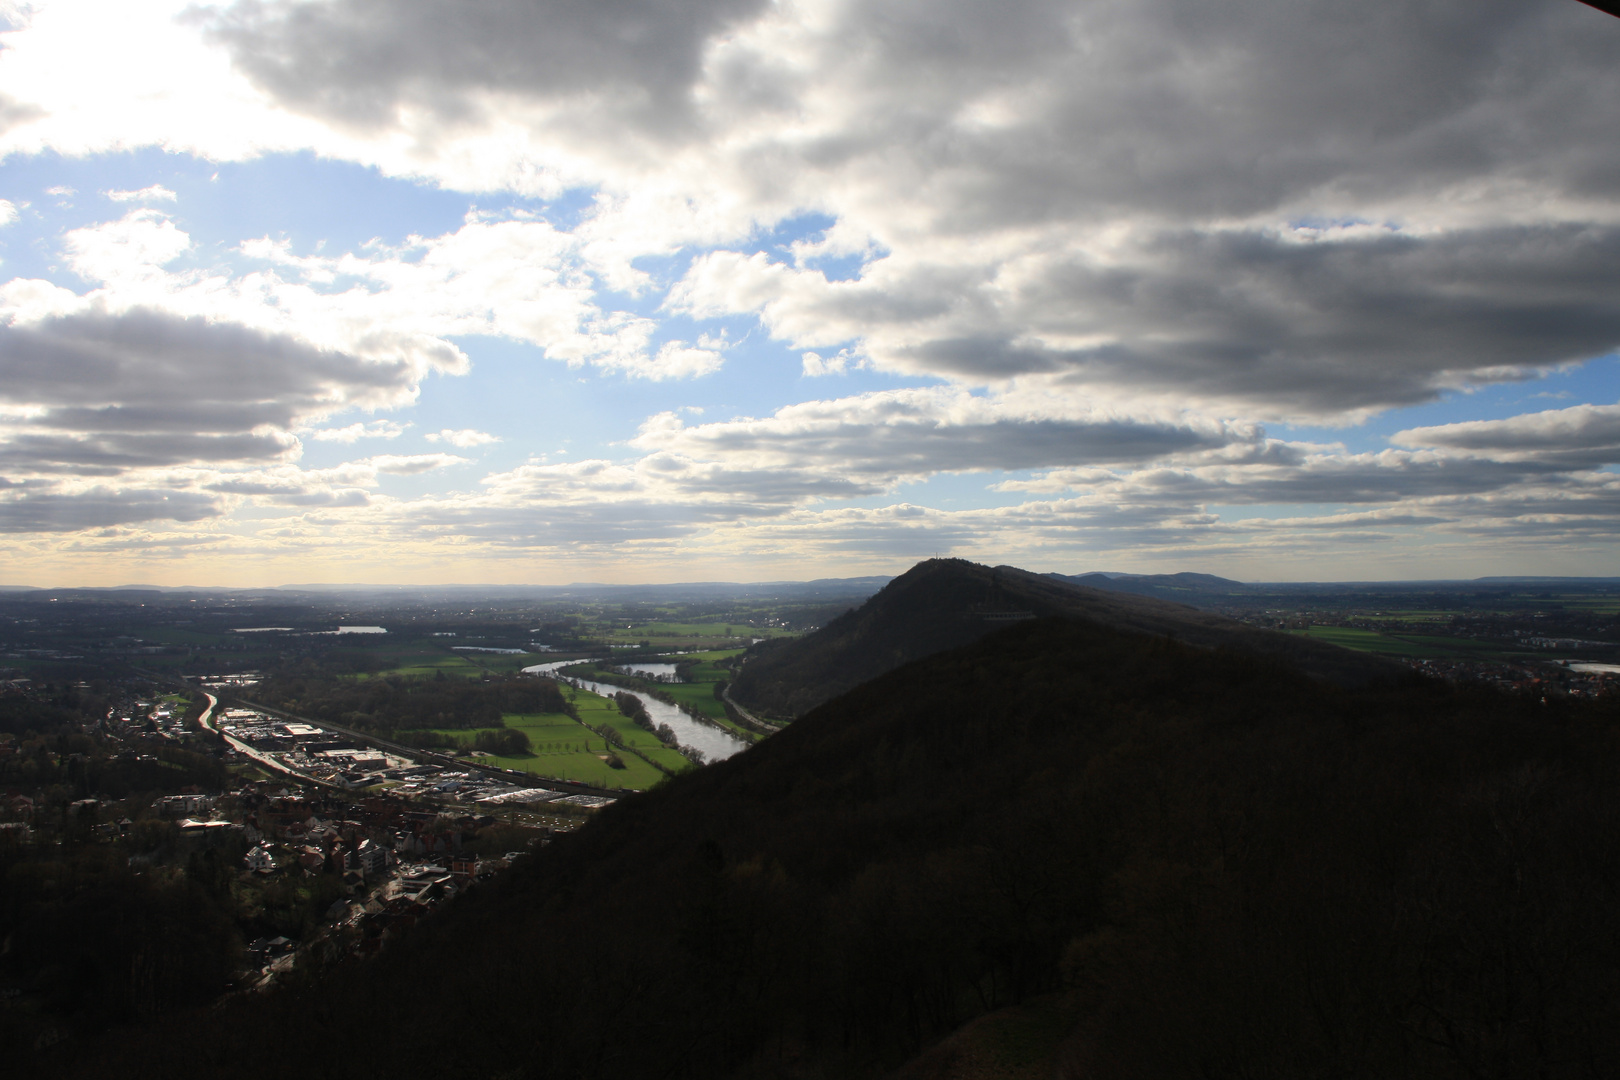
[489, 291]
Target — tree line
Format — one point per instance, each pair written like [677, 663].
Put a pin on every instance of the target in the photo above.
[392, 703]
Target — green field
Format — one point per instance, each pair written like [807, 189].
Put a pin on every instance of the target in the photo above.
[424, 660]
[1415, 646]
[562, 748]
[601, 713]
[501, 663]
[1361, 640]
[669, 634]
[1596, 605]
[426, 665]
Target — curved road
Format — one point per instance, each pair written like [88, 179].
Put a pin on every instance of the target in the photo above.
[243, 748]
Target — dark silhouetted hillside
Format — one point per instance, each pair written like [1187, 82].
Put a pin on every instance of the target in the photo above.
[1165, 860]
[945, 603]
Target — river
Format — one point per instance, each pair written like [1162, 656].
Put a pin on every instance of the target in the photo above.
[716, 743]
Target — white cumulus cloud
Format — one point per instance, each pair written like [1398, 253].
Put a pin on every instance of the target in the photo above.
[464, 438]
[156, 192]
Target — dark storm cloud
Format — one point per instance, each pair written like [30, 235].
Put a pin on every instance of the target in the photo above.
[109, 392]
[57, 511]
[112, 454]
[359, 61]
[1320, 325]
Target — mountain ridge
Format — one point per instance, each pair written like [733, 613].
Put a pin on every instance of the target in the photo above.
[941, 604]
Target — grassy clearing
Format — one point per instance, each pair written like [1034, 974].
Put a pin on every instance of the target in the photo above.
[1368, 641]
[561, 748]
[1603, 605]
[668, 635]
[574, 754]
[699, 693]
[421, 660]
[425, 665]
[699, 696]
[1418, 646]
[601, 712]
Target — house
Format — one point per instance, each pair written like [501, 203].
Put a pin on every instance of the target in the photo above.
[195, 835]
[183, 805]
[259, 859]
[373, 859]
[264, 950]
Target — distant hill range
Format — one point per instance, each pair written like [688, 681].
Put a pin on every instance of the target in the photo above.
[1210, 591]
[1185, 588]
[946, 603]
[809, 592]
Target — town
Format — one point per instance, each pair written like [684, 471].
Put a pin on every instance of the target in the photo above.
[309, 841]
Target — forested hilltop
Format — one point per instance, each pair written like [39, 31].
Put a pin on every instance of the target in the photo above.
[1181, 860]
[945, 603]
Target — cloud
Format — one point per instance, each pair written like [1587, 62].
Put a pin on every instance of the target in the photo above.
[8, 212]
[1113, 238]
[1277, 210]
[495, 276]
[376, 429]
[884, 436]
[507, 277]
[1589, 434]
[464, 438]
[414, 464]
[99, 507]
[146, 194]
[362, 63]
[1254, 318]
[168, 384]
[815, 365]
[130, 251]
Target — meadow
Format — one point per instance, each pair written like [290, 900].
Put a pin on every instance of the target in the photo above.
[599, 712]
[1415, 646]
[563, 748]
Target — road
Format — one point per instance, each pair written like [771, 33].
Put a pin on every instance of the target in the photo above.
[243, 748]
[765, 727]
[414, 753]
[410, 753]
